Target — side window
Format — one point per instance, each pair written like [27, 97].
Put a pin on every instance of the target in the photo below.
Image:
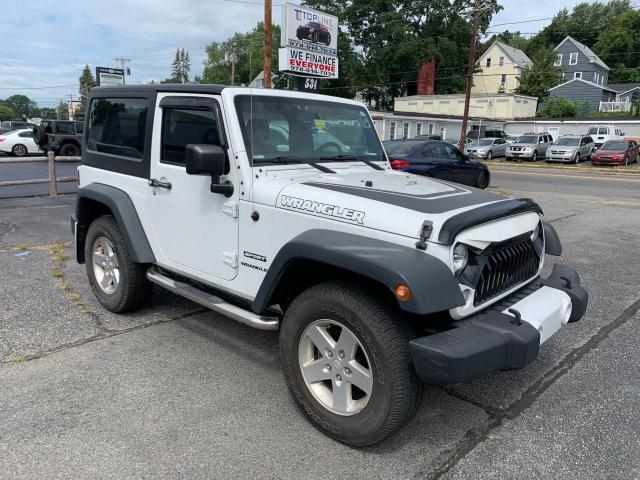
[79, 127]
[181, 127]
[602, 131]
[428, 152]
[117, 126]
[65, 128]
[25, 134]
[451, 152]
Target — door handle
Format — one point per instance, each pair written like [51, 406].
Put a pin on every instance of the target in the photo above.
[158, 184]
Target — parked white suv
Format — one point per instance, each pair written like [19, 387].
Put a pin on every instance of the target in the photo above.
[603, 133]
[239, 200]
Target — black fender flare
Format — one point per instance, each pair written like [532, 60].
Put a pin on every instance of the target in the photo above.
[433, 285]
[552, 244]
[124, 213]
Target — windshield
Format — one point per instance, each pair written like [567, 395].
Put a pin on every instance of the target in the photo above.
[527, 139]
[572, 142]
[275, 127]
[614, 146]
[485, 142]
[401, 148]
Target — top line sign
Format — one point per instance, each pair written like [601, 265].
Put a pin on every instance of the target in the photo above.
[307, 29]
[109, 76]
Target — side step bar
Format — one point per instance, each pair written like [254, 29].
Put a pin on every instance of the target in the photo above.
[212, 302]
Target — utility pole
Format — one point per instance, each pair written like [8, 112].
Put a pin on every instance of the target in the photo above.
[477, 9]
[234, 59]
[123, 64]
[72, 112]
[266, 68]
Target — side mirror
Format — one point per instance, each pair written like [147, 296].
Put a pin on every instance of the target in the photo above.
[208, 160]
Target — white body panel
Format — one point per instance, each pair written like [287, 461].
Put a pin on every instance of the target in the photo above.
[11, 139]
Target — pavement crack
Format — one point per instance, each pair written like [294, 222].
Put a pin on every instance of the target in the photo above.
[488, 410]
[476, 436]
[565, 217]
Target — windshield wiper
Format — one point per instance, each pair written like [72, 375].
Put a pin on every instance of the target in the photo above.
[348, 158]
[292, 159]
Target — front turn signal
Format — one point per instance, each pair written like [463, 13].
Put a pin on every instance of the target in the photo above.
[403, 293]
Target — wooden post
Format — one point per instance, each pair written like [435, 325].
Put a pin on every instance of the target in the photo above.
[472, 61]
[266, 68]
[53, 185]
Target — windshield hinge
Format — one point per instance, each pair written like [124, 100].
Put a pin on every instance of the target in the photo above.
[231, 209]
[230, 258]
[424, 235]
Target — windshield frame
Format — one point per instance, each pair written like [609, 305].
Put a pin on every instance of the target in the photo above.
[298, 118]
[577, 141]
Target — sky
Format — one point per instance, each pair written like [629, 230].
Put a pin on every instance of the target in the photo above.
[46, 43]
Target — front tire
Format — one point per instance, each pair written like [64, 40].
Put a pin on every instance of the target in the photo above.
[576, 158]
[346, 362]
[483, 180]
[118, 283]
[489, 155]
[19, 150]
[534, 157]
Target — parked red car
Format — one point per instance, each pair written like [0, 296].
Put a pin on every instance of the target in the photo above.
[616, 152]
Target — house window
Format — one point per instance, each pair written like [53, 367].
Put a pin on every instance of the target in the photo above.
[501, 61]
[431, 127]
[405, 130]
[573, 58]
[601, 79]
[558, 61]
[595, 77]
[392, 131]
[577, 74]
[488, 62]
[418, 128]
[503, 79]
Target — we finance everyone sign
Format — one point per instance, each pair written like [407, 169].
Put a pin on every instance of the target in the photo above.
[309, 42]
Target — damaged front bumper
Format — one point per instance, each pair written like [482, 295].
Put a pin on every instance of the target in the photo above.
[506, 336]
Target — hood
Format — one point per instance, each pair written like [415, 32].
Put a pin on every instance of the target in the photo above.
[608, 153]
[525, 145]
[563, 148]
[389, 201]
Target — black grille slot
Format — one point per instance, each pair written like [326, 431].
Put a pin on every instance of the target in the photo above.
[506, 266]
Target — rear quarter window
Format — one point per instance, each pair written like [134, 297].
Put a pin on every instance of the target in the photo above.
[117, 126]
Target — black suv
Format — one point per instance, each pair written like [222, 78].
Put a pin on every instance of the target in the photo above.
[63, 136]
[485, 133]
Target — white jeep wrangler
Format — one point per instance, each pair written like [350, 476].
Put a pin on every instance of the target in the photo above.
[279, 210]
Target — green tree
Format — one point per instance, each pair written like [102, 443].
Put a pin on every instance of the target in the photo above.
[6, 113]
[541, 76]
[619, 47]
[250, 47]
[87, 82]
[180, 67]
[48, 113]
[513, 39]
[62, 111]
[557, 107]
[394, 38]
[23, 107]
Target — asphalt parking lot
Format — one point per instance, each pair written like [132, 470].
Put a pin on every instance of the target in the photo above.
[174, 391]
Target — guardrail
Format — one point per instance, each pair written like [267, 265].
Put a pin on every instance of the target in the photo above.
[53, 180]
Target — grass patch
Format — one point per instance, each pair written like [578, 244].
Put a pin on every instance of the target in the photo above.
[17, 360]
[57, 273]
[23, 245]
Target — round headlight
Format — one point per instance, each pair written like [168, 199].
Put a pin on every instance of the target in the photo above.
[460, 257]
[535, 233]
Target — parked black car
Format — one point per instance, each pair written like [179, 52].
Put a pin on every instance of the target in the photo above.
[436, 159]
[483, 132]
[314, 32]
[64, 136]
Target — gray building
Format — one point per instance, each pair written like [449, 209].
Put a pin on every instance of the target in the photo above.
[579, 61]
[579, 90]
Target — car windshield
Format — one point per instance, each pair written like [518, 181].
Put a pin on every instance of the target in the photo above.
[614, 146]
[401, 148]
[485, 142]
[311, 129]
[527, 139]
[572, 142]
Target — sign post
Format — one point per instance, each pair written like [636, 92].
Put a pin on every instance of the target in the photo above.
[308, 45]
[109, 76]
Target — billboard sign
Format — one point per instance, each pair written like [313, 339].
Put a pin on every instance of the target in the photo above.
[109, 76]
[309, 42]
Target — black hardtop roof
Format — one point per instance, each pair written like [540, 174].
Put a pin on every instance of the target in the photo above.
[161, 87]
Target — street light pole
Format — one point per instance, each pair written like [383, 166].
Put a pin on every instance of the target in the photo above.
[477, 8]
[266, 69]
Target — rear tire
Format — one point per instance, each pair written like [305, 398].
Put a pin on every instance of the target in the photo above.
[19, 150]
[118, 283]
[359, 395]
[70, 150]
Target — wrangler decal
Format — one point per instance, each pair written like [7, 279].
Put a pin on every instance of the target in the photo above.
[327, 209]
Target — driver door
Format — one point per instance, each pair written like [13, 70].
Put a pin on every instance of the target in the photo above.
[196, 231]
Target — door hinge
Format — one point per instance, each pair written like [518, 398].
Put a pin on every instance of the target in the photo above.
[230, 258]
[424, 235]
[231, 209]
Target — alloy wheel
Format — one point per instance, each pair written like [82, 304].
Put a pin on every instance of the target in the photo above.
[335, 367]
[105, 265]
[19, 150]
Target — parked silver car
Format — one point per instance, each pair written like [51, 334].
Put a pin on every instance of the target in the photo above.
[570, 148]
[530, 146]
[486, 148]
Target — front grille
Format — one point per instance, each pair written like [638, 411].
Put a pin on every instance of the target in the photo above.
[507, 265]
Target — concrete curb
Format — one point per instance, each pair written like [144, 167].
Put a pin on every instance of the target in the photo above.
[613, 170]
